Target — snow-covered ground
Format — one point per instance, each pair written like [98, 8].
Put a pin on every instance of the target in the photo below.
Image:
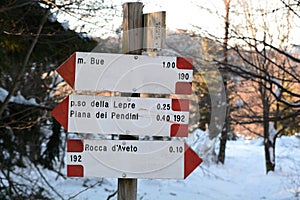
[242, 177]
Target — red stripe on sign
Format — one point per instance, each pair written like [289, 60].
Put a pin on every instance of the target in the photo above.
[180, 104]
[191, 160]
[179, 130]
[67, 70]
[75, 146]
[184, 63]
[60, 113]
[75, 171]
[183, 88]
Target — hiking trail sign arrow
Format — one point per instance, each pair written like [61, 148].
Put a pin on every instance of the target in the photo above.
[128, 73]
[130, 159]
[124, 115]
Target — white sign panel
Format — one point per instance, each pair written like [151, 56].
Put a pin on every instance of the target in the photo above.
[128, 115]
[130, 159]
[128, 73]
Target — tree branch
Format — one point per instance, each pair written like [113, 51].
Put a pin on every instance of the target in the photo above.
[19, 76]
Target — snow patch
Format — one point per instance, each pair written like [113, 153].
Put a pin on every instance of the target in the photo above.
[241, 177]
[272, 132]
[3, 94]
[204, 146]
[18, 99]
[239, 103]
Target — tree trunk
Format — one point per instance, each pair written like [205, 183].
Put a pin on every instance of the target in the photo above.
[224, 133]
[269, 154]
[269, 139]
[223, 140]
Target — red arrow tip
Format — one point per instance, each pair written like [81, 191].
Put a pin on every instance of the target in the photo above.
[60, 113]
[67, 70]
[191, 160]
[184, 63]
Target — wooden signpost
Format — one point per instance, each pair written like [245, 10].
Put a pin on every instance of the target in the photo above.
[129, 116]
[131, 44]
[154, 32]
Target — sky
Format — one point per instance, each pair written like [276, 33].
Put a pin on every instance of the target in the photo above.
[180, 14]
[184, 14]
[192, 15]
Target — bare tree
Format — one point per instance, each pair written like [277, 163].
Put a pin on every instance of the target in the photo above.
[258, 57]
[263, 59]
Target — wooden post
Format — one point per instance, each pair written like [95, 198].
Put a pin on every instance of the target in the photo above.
[154, 37]
[132, 43]
[154, 32]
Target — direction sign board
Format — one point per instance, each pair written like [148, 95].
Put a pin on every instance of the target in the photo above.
[130, 159]
[128, 73]
[124, 115]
